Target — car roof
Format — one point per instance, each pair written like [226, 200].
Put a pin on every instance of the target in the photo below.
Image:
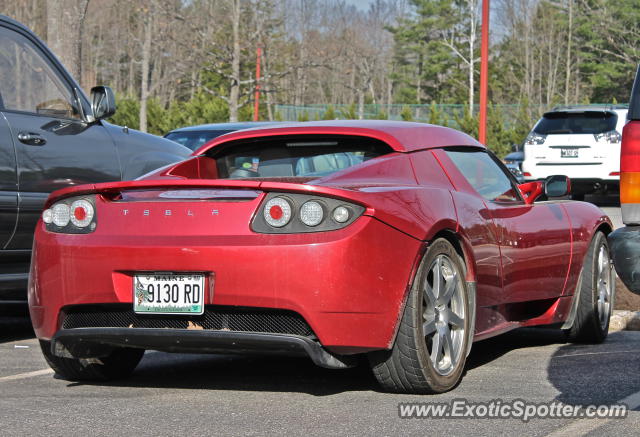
[402, 136]
[224, 126]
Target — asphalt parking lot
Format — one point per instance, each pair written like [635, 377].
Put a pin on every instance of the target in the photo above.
[236, 395]
[228, 395]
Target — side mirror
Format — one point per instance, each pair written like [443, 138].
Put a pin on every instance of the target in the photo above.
[103, 102]
[557, 186]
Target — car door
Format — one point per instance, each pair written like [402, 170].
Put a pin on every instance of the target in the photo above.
[534, 239]
[8, 184]
[55, 147]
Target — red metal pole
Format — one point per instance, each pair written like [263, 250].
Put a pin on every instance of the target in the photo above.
[484, 72]
[256, 100]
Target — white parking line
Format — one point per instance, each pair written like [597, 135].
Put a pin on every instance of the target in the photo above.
[26, 375]
[596, 353]
[583, 427]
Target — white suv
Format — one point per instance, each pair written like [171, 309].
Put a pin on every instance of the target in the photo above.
[582, 143]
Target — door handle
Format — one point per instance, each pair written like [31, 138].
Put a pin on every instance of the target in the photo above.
[31, 139]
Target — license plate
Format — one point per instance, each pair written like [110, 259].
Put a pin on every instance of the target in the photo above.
[568, 153]
[168, 293]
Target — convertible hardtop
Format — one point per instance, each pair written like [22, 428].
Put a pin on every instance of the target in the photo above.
[401, 136]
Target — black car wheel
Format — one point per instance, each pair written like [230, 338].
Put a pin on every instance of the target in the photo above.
[595, 294]
[430, 349]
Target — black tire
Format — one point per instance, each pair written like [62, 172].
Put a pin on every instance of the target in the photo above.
[408, 366]
[591, 324]
[579, 197]
[119, 364]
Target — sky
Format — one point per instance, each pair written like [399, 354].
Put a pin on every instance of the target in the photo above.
[361, 4]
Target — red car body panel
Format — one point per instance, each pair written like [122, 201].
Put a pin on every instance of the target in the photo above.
[349, 285]
[320, 276]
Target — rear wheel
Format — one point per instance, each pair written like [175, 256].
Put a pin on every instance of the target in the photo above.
[120, 363]
[429, 353]
[595, 296]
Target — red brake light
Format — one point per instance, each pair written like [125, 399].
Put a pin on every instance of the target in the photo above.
[80, 213]
[275, 212]
[526, 174]
[630, 173]
[71, 216]
[278, 211]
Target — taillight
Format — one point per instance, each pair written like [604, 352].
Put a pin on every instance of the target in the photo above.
[301, 213]
[630, 173]
[611, 137]
[71, 216]
[535, 139]
[277, 212]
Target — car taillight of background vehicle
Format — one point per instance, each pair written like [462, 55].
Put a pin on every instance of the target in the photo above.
[302, 213]
[71, 216]
[611, 137]
[630, 173]
[535, 139]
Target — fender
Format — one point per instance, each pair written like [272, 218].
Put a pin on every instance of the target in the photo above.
[624, 246]
[568, 323]
[470, 280]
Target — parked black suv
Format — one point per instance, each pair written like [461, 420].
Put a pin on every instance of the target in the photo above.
[52, 136]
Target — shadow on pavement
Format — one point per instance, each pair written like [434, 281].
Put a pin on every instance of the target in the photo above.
[608, 372]
[229, 372]
[300, 375]
[483, 352]
[15, 328]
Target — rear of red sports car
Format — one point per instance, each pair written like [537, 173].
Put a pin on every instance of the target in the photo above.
[271, 244]
[328, 240]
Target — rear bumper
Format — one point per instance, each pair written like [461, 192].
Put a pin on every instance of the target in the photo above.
[624, 245]
[578, 171]
[348, 285]
[589, 185]
[96, 342]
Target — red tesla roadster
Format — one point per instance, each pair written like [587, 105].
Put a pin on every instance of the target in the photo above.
[401, 242]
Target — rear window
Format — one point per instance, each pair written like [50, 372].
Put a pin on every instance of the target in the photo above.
[295, 157]
[588, 122]
[195, 139]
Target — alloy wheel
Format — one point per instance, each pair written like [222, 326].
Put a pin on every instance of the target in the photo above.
[604, 286]
[443, 315]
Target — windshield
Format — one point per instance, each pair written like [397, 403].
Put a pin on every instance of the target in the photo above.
[195, 139]
[588, 122]
[287, 158]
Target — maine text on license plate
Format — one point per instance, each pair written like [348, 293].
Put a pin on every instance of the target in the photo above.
[168, 293]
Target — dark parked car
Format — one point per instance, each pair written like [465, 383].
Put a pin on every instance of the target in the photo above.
[513, 161]
[53, 136]
[195, 136]
[515, 158]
